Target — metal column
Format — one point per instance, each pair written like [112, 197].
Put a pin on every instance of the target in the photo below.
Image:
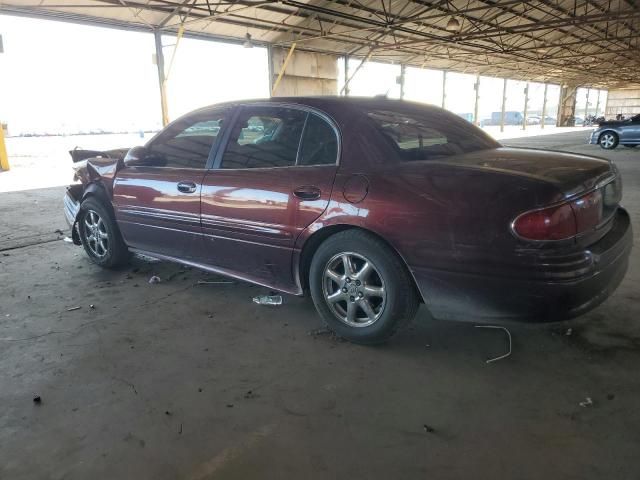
[444, 88]
[586, 106]
[504, 102]
[403, 71]
[161, 77]
[346, 75]
[526, 104]
[476, 87]
[544, 105]
[270, 66]
[597, 103]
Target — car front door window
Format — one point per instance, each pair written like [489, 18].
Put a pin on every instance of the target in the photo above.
[188, 142]
[265, 137]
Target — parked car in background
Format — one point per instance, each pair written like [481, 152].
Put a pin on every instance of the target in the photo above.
[550, 121]
[372, 205]
[612, 133]
[510, 118]
[533, 120]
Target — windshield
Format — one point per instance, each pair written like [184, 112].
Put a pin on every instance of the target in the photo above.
[430, 134]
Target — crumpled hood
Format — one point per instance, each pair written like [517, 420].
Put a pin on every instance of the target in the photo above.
[90, 170]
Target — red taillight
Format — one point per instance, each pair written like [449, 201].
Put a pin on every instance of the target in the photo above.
[562, 221]
[553, 223]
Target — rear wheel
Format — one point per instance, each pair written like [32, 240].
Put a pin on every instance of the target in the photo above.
[361, 287]
[100, 235]
[608, 140]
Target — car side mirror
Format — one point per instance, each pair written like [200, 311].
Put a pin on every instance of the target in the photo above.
[142, 157]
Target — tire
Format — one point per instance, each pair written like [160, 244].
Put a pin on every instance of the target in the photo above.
[608, 140]
[371, 304]
[630, 146]
[95, 221]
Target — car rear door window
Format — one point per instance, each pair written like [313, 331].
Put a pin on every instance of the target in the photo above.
[264, 137]
[319, 143]
[187, 142]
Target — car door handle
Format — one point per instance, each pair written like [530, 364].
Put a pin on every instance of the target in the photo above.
[307, 192]
[187, 187]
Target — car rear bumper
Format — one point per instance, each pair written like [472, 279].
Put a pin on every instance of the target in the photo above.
[557, 288]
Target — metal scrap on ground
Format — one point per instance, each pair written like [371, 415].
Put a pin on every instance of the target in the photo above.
[215, 282]
[497, 327]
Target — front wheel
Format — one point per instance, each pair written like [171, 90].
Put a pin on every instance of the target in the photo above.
[608, 140]
[361, 288]
[100, 235]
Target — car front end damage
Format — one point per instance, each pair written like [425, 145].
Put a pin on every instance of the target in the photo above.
[94, 172]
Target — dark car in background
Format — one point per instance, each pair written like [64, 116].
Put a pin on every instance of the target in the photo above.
[372, 205]
[612, 133]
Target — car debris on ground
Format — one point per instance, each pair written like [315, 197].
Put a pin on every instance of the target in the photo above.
[215, 282]
[319, 331]
[73, 309]
[273, 300]
[155, 279]
[497, 327]
[587, 402]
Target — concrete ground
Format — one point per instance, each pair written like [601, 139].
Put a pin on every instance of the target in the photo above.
[180, 380]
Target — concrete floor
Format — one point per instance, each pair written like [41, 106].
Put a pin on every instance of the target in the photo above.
[179, 380]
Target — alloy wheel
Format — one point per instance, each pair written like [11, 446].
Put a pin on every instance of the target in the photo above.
[607, 140]
[96, 234]
[354, 289]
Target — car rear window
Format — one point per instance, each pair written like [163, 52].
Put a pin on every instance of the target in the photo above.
[431, 135]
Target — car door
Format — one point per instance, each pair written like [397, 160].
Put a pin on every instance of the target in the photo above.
[272, 179]
[157, 198]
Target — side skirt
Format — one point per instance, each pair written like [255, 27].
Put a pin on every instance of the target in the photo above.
[209, 268]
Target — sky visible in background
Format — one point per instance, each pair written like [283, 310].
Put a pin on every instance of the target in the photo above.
[65, 78]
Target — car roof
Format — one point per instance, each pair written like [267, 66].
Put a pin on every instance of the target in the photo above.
[337, 102]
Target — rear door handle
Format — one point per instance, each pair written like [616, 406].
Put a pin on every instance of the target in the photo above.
[187, 187]
[307, 192]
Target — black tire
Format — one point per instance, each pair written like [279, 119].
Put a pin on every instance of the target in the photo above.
[110, 251]
[608, 140]
[387, 274]
[630, 146]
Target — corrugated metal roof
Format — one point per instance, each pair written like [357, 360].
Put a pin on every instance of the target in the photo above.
[591, 43]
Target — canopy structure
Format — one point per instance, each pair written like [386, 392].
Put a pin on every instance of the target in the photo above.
[591, 43]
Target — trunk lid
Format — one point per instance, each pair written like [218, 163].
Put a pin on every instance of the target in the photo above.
[570, 173]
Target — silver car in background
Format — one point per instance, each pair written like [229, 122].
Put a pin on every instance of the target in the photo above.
[620, 132]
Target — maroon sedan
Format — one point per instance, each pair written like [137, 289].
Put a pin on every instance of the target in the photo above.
[372, 205]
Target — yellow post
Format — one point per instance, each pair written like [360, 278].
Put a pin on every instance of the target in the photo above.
[4, 158]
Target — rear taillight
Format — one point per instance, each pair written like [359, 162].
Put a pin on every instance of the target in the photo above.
[553, 223]
[562, 221]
